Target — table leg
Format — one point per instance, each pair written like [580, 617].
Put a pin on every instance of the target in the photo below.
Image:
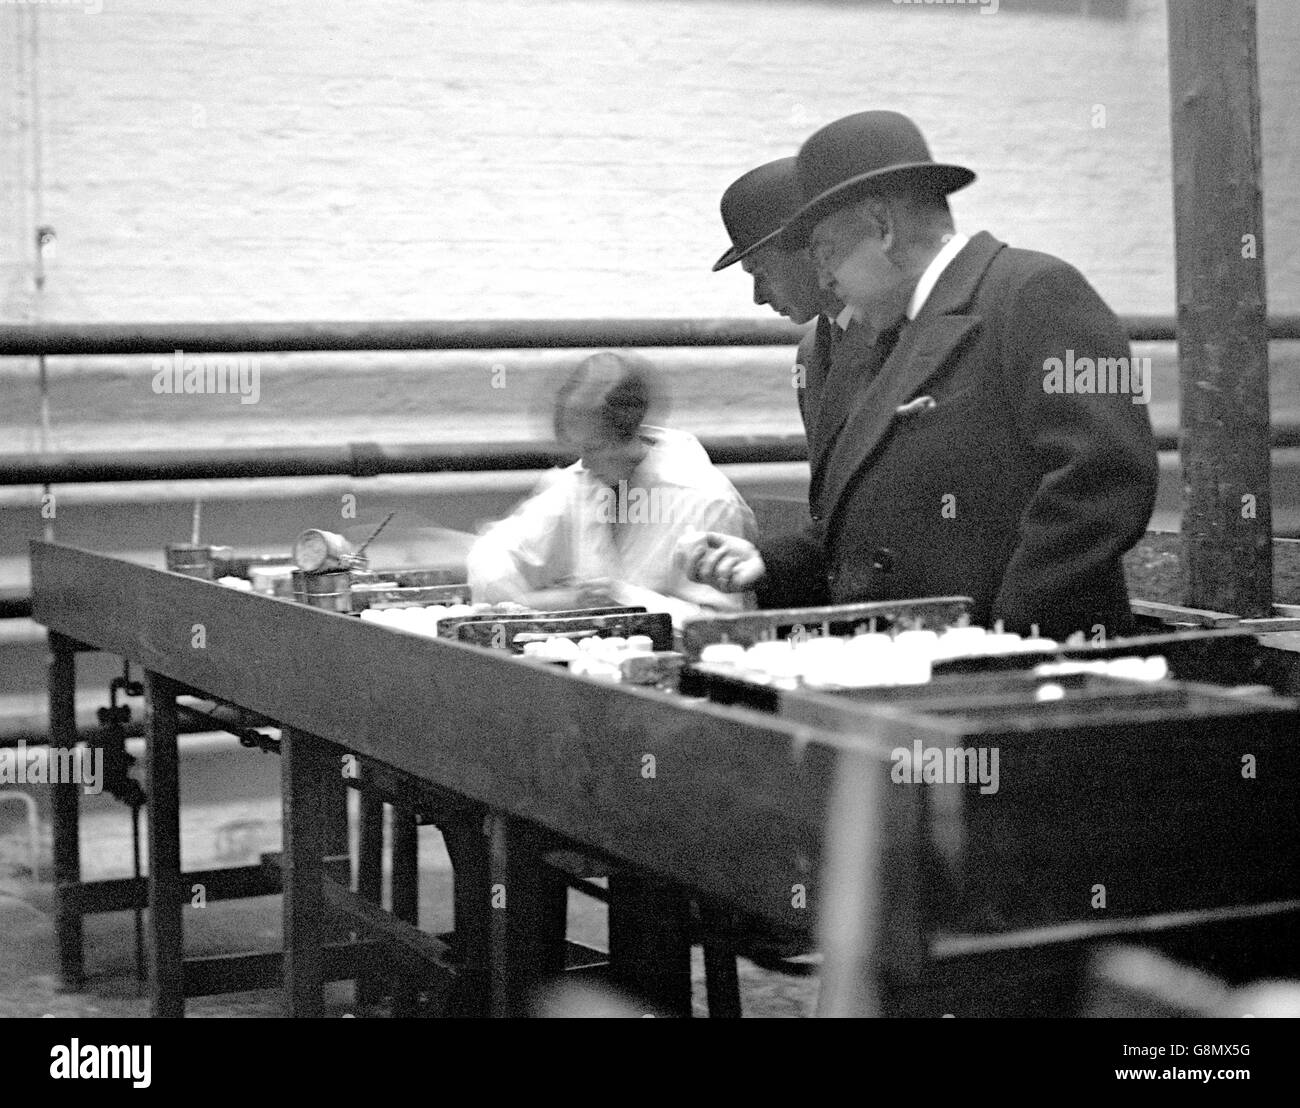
[405, 895]
[166, 950]
[370, 874]
[65, 816]
[302, 790]
[527, 918]
[468, 847]
[338, 848]
[720, 974]
[649, 942]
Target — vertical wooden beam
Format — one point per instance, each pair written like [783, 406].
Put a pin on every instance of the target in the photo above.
[471, 861]
[65, 816]
[527, 918]
[872, 921]
[370, 876]
[649, 942]
[405, 897]
[721, 978]
[166, 934]
[303, 789]
[1222, 312]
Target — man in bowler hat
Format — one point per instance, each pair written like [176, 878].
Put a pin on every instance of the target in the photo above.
[950, 467]
[755, 209]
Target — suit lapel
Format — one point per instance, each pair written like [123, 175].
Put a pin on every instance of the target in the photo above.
[815, 369]
[843, 377]
[849, 363]
[924, 348]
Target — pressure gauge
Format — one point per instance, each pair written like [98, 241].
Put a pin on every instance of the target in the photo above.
[316, 551]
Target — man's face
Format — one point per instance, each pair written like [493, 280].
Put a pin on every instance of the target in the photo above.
[786, 280]
[849, 251]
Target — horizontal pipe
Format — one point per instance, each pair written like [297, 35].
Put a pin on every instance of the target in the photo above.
[475, 334]
[30, 339]
[15, 604]
[190, 721]
[348, 459]
[361, 459]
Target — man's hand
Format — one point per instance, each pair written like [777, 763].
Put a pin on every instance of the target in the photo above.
[727, 563]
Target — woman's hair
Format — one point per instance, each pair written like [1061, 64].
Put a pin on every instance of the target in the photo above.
[617, 390]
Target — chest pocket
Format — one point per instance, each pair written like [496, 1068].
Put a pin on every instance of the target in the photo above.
[927, 412]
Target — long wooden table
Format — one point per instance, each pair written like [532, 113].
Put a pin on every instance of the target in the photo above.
[718, 799]
[729, 803]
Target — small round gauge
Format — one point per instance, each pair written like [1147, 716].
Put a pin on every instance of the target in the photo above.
[311, 550]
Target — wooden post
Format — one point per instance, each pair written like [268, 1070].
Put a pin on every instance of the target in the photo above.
[471, 862]
[303, 789]
[166, 929]
[65, 817]
[527, 918]
[370, 875]
[873, 923]
[1222, 314]
[649, 942]
[405, 897]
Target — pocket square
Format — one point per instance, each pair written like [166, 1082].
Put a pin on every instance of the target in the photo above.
[920, 404]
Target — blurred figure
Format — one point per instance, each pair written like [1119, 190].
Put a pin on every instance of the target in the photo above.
[603, 530]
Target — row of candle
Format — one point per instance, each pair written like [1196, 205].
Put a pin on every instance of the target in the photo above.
[610, 658]
[864, 660]
[423, 620]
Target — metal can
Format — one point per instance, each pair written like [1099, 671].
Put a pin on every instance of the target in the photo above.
[331, 591]
[191, 559]
[317, 551]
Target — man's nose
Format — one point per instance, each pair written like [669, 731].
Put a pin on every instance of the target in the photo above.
[760, 293]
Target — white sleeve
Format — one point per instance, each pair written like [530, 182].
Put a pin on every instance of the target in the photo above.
[731, 517]
[526, 551]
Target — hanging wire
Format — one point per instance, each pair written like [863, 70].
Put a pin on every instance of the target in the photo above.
[44, 237]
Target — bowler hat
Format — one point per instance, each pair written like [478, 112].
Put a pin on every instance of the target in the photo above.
[756, 206]
[860, 154]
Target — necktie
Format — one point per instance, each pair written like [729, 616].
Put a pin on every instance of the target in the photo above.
[884, 345]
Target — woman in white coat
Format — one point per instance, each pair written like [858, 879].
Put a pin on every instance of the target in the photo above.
[604, 529]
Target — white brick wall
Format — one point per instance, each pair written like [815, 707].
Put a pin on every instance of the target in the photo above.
[465, 158]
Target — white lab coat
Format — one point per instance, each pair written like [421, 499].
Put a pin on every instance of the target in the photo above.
[574, 528]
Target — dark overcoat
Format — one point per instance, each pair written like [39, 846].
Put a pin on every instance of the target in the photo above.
[998, 486]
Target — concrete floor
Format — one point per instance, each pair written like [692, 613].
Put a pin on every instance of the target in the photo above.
[230, 814]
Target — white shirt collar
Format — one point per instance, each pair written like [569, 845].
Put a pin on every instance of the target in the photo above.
[952, 246]
[846, 317]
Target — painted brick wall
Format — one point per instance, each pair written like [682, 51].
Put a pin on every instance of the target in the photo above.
[464, 158]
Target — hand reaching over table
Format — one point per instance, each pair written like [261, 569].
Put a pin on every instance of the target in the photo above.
[724, 562]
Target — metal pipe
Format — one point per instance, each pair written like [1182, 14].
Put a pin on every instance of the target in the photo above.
[357, 459]
[367, 459]
[505, 334]
[191, 720]
[33, 339]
